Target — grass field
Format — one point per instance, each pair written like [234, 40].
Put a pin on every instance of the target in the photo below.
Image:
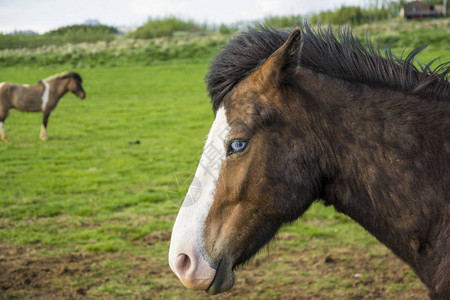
[88, 214]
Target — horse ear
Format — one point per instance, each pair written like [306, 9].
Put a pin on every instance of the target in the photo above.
[284, 62]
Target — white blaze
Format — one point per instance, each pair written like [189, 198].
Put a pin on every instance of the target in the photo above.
[45, 95]
[188, 228]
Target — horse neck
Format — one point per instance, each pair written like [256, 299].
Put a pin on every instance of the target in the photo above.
[58, 88]
[375, 150]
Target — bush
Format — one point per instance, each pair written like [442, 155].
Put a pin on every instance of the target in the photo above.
[165, 28]
[70, 34]
[83, 33]
[224, 29]
[20, 40]
[354, 15]
[283, 21]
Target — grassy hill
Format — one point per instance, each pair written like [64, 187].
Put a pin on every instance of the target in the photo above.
[70, 34]
[199, 46]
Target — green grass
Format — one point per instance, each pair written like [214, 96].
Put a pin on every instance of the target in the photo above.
[90, 172]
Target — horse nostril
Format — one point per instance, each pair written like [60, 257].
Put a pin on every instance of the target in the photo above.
[183, 264]
[190, 267]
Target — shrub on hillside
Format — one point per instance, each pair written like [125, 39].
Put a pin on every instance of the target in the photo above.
[165, 27]
[83, 33]
[70, 34]
[283, 21]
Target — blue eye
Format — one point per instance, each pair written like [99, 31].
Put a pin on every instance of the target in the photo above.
[236, 146]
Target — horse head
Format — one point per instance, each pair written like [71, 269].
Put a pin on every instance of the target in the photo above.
[250, 180]
[74, 84]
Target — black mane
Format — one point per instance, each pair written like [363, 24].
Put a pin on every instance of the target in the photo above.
[74, 75]
[343, 57]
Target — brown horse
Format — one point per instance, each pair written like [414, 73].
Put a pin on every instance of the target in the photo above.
[306, 116]
[43, 96]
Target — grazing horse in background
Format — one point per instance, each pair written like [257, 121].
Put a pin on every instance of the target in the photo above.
[43, 96]
[310, 115]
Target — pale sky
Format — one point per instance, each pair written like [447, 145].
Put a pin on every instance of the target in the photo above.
[45, 15]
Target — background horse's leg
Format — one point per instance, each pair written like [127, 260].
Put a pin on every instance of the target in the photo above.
[2, 132]
[3, 136]
[43, 134]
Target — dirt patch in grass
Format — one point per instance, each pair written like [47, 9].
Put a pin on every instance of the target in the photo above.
[330, 273]
[27, 274]
[282, 272]
[153, 238]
